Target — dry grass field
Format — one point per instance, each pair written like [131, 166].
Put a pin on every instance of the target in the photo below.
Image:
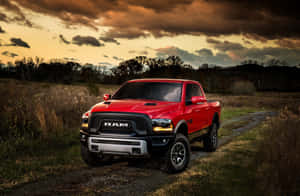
[40, 122]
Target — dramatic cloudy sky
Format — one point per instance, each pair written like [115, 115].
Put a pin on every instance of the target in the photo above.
[223, 32]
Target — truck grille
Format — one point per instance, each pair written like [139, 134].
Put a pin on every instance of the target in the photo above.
[120, 123]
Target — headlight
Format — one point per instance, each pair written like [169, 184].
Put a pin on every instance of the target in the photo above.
[162, 125]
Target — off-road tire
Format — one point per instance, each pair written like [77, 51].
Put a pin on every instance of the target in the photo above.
[210, 141]
[179, 151]
[93, 159]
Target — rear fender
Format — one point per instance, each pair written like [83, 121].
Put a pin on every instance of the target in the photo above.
[216, 119]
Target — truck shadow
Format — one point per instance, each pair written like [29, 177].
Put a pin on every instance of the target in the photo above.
[197, 149]
[141, 163]
[156, 163]
[197, 146]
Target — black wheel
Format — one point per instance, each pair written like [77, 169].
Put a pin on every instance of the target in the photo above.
[178, 155]
[94, 159]
[210, 141]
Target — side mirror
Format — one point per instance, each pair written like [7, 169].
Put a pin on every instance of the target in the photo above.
[197, 99]
[106, 97]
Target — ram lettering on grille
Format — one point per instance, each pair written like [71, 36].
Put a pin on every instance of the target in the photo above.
[116, 124]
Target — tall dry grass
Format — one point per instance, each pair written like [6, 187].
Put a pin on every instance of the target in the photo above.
[39, 127]
[35, 110]
[243, 88]
[279, 155]
[263, 100]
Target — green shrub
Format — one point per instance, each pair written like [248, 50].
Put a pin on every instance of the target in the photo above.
[243, 88]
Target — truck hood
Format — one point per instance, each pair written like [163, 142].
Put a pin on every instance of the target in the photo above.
[154, 109]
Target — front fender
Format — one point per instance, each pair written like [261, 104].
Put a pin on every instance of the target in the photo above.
[178, 126]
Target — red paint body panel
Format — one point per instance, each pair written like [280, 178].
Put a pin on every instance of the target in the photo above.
[201, 115]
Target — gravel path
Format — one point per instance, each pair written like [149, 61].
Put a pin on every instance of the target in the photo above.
[121, 179]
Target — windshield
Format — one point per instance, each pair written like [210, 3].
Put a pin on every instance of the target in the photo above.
[161, 91]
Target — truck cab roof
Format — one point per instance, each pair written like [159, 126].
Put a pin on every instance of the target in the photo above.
[161, 80]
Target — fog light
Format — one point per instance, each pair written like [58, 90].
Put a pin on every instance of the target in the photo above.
[94, 147]
[136, 151]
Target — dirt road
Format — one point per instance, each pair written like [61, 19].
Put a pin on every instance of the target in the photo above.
[121, 179]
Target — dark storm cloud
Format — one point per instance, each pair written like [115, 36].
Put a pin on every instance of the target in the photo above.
[9, 54]
[131, 19]
[259, 20]
[256, 37]
[81, 40]
[204, 52]
[63, 39]
[86, 40]
[174, 51]
[20, 16]
[247, 41]
[232, 57]
[159, 5]
[291, 56]
[288, 43]
[126, 32]
[109, 39]
[203, 56]
[224, 45]
[205, 17]
[212, 41]
[18, 42]
[117, 58]
[289, 51]
[3, 17]
[83, 12]
[1, 30]
[143, 52]
[70, 59]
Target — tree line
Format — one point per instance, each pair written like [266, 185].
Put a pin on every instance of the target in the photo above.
[213, 78]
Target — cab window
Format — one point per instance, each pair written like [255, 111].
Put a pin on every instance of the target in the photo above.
[192, 90]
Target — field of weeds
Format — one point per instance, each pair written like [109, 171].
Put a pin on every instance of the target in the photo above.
[278, 156]
[40, 124]
[39, 128]
[263, 161]
[39, 109]
[263, 100]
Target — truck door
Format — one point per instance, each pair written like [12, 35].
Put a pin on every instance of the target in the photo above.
[196, 113]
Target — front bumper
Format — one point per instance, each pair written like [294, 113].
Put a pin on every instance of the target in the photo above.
[117, 146]
[128, 146]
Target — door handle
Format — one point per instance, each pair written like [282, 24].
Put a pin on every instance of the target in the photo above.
[197, 110]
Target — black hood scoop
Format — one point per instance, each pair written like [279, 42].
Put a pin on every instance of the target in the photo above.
[150, 104]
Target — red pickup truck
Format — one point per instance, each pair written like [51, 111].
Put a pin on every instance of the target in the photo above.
[151, 117]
